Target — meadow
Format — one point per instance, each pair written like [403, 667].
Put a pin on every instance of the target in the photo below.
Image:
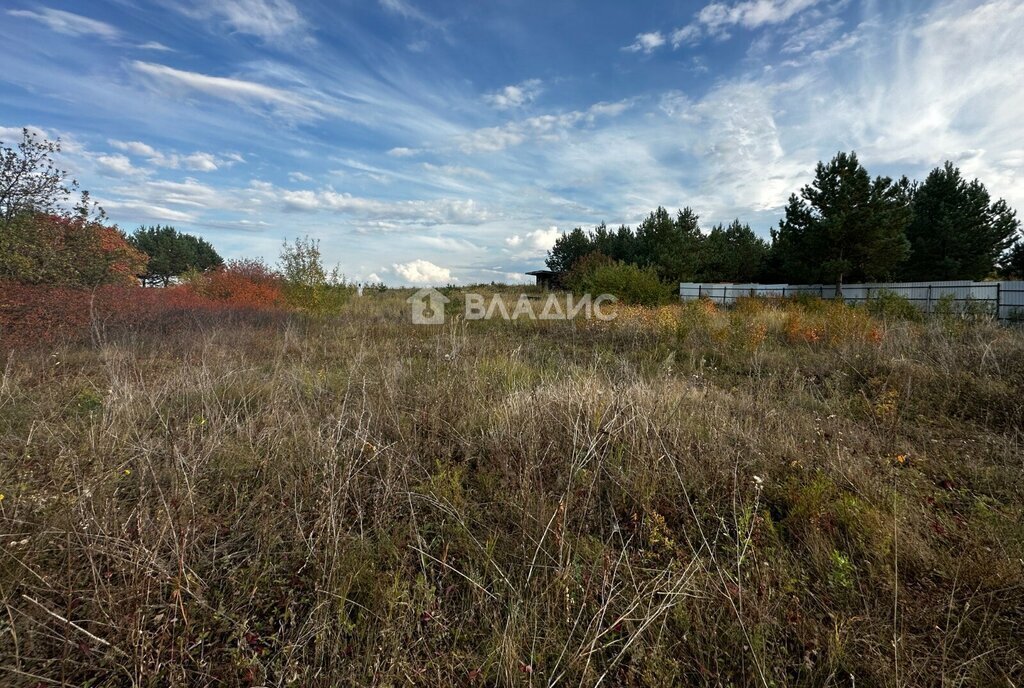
[788, 493]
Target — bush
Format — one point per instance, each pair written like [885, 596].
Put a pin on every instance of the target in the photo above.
[891, 306]
[242, 283]
[307, 285]
[582, 272]
[632, 285]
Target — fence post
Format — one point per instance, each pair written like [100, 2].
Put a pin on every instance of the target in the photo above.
[999, 301]
[928, 309]
[700, 291]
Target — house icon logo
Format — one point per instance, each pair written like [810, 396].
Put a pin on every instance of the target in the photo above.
[428, 307]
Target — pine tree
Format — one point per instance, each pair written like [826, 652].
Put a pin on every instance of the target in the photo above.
[957, 232]
[568, 249]
[732, 254]
[670, 246]
[844, 226]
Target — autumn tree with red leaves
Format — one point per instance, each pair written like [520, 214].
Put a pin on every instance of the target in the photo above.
[45, 236]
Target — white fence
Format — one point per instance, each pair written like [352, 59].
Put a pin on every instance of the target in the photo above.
[1005, 300]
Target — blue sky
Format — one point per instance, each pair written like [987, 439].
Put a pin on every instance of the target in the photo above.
[434, 142]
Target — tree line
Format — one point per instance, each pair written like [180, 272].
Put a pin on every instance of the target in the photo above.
[845, 226]
[50, 238]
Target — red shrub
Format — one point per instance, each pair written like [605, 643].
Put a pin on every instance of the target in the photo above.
[242, 283]
[42, 314]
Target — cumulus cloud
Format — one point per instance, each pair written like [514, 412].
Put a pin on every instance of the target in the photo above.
[200, 162]
[514, 96]
[423, 272]
[646, 42]
[536, 242]
[116, 166]
[68, 23]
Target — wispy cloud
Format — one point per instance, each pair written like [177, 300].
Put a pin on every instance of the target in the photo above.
[68, 23]
[646, 42]
[267, 19]
[539, 128]
[154, 45]
[717, 19]
[408, 10]
[239, 91]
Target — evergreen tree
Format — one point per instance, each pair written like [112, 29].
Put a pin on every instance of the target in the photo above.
[670, 246]
[732, 254]
[957, 232]
[172, 253]
[844, 226]
[568, 249]
[1012, 264]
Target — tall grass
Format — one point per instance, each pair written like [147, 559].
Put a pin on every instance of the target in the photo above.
[780, 494]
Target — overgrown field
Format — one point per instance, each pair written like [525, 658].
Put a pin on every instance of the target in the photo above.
[785, 494]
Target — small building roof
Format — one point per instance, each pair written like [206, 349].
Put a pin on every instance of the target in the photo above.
[541, 273]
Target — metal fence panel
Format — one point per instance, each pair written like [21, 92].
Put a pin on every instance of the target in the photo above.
[1005, 300]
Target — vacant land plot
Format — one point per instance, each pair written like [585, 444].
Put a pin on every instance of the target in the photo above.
[782, 494]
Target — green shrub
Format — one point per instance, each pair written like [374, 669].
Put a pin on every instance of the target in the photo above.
[891, 306]
[628, 283]
[307, 285]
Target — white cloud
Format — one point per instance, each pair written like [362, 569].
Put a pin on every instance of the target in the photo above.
[135, 148]
[686, 35]
[401, 152]
[514, 96]
[750, 14]
[534, 243]
[390, 213]
[239, 91]
[456, 171]
[542, 240]
[538, 128]
[299, 177]
[646, 42]
[406, 9]
[812, 36]
[117, 166]
[717, 18]
[68, 23]
[423, 272]
[267, 19]
[139, 210]
[155, 45]
[198, 161]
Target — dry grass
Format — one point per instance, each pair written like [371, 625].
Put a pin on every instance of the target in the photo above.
[776, 495]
